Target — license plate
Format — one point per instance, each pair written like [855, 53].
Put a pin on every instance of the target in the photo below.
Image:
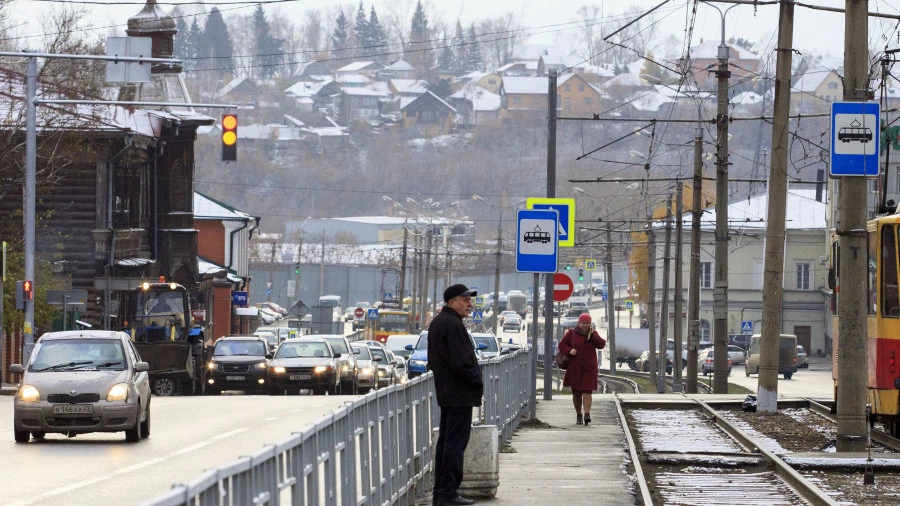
[297, 377]
[234, 378]
[73, 409]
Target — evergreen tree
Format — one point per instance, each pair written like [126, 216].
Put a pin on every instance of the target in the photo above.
[460, 51]
[218, 43]
[441, 88]
[340, 38]
[419, 48]
[180, 37]
[363, 44]
[377, 38]
[196, 47]
[445, 58]
[474, 54]
[269, 50]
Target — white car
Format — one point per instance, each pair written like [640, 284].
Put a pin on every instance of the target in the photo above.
[736, 354]
[504, 314]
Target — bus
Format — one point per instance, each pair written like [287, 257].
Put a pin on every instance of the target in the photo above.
[392, 320]
[334, 302]
[883, 319]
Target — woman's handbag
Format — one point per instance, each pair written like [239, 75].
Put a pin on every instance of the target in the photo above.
[562, 359]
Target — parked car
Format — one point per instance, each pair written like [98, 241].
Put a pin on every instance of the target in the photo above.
[705, 362]
[802, 357]
[512, 323]
[737, 355]
[346, 362]
[275, 307]
[368, 367]
[491, 346]
[387, 370]
[304, 363]
[82, 381]
[263, 309]
[238, 363]
[642, 363]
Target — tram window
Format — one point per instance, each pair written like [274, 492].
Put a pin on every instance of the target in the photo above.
[873, 286]
[890, 303]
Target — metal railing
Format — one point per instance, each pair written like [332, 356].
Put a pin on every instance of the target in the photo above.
[375, 449]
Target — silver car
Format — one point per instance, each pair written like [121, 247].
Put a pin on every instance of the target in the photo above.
[82, 381]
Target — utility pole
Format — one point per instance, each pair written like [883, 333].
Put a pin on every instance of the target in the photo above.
[852, 277]
[424, 312]
[651, 298]
[271, 268]
[773, 277]
[664, 308]
[414, 304]
[548, 279]
[497, 275]
[402, 292]
[720, 294]
[694, 287]
[679, 295]
[610, 300]
[322, 269]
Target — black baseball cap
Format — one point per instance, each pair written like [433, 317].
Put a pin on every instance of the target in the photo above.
[456, 291]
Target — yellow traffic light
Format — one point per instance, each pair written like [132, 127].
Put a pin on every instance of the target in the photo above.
[229, 137]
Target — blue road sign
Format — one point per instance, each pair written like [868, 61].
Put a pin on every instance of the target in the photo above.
[566, 209]
[371, 314]
[387, 296]
[479, 301]
[477, 316]
[746, 327]
[855, 138]
[239, 298]
[268, 292]
[537, 247]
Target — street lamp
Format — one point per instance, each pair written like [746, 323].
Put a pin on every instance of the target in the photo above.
[496, 303]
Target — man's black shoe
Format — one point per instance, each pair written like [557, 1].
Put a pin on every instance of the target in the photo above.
[443, 501]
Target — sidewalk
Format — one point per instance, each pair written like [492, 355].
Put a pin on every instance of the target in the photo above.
[8, 389]
[567, 463]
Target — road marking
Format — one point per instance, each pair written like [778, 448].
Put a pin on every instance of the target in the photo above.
[140, 466]
[269, 419]
[69, 488]
[191, 448]
[230, 433]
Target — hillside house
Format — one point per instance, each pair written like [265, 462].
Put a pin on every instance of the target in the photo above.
[429, 116]
[524, 98]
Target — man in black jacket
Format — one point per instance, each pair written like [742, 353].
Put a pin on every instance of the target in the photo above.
[459, 388]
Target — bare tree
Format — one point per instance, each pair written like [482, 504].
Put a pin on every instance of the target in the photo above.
[500, 37]
[313, 36]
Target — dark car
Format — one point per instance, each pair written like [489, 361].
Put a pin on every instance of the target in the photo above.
[238, 363]
[305, 363]
[346, 362]
[742, 340]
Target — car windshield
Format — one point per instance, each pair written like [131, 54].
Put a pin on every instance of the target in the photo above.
[81, 354]
[303, 350]
[490, 341]
[226, 348]
[392, 322]
[338, 343]
[423, 342]
[378, 352]
[272, 338]
[363, 353]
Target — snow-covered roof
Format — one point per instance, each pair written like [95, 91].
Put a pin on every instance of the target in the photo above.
[626, 79]
[346, 79]
[536, 51]
[354, 67]
[481, 99]
[378, 89]
[803, 212]
[649, 101]
[710, 50]
[228, 88]
[417, 86]
[400, 65]
[422, 97]
[308, 88]
[525, 85]
[209, 208]
[271, 131]
[810, 81]
[746, 98]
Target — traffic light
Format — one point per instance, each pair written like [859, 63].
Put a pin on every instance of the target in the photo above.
[580, 274]
[568, 267]
[229, 137]
[27, 290]
[297, 269]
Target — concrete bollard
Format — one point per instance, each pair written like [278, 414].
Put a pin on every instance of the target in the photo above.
[481, 462]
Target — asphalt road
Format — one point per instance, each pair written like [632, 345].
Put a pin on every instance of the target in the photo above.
[188, 435]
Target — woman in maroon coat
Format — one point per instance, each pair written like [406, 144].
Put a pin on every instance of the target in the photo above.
[582, 343]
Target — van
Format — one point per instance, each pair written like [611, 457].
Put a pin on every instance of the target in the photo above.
[397, 344]
[787, 355]
[334, 302]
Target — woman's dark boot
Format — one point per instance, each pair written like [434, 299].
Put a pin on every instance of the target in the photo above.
[587, 418]
[578, 419]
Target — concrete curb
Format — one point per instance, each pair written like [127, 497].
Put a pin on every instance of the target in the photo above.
[7, 389]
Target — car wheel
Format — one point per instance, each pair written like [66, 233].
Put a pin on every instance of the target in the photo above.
[145, 425]
[21, 436]
[134, 435]
[364, 390]
[788, 375]
[354, 389]
[38, 435]
[164, 387]
[746, 370]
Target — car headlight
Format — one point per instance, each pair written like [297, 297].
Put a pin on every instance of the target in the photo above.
[381, 373]
[417, 362]
[277, 369]
[321, 368]
[118, 392]
[262, 365]
[212, 366]
[29, 393]
[345, 368]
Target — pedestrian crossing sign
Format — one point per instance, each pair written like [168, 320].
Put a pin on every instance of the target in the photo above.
[590, 264]
[629, 305]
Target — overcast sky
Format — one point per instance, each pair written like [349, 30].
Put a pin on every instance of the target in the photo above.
[815, 31]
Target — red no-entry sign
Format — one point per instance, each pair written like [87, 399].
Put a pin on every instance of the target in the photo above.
[359, 312]
[562, 287]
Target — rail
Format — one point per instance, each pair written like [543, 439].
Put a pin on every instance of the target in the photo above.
[376, 449]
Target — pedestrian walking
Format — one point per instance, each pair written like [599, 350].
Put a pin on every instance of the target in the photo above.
[459, 388]
[582, 343]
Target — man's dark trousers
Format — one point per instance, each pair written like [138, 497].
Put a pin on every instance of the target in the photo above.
[456, 426]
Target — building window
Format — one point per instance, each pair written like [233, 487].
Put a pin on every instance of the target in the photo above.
[427, 116]
[705, 333]
[588, 101]
[492, 81]
[581, 87]
[758, 268]
[517, 100]
[568, 102]
[568, 87]
[803, 276]
[832, 85]
[705, 274]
